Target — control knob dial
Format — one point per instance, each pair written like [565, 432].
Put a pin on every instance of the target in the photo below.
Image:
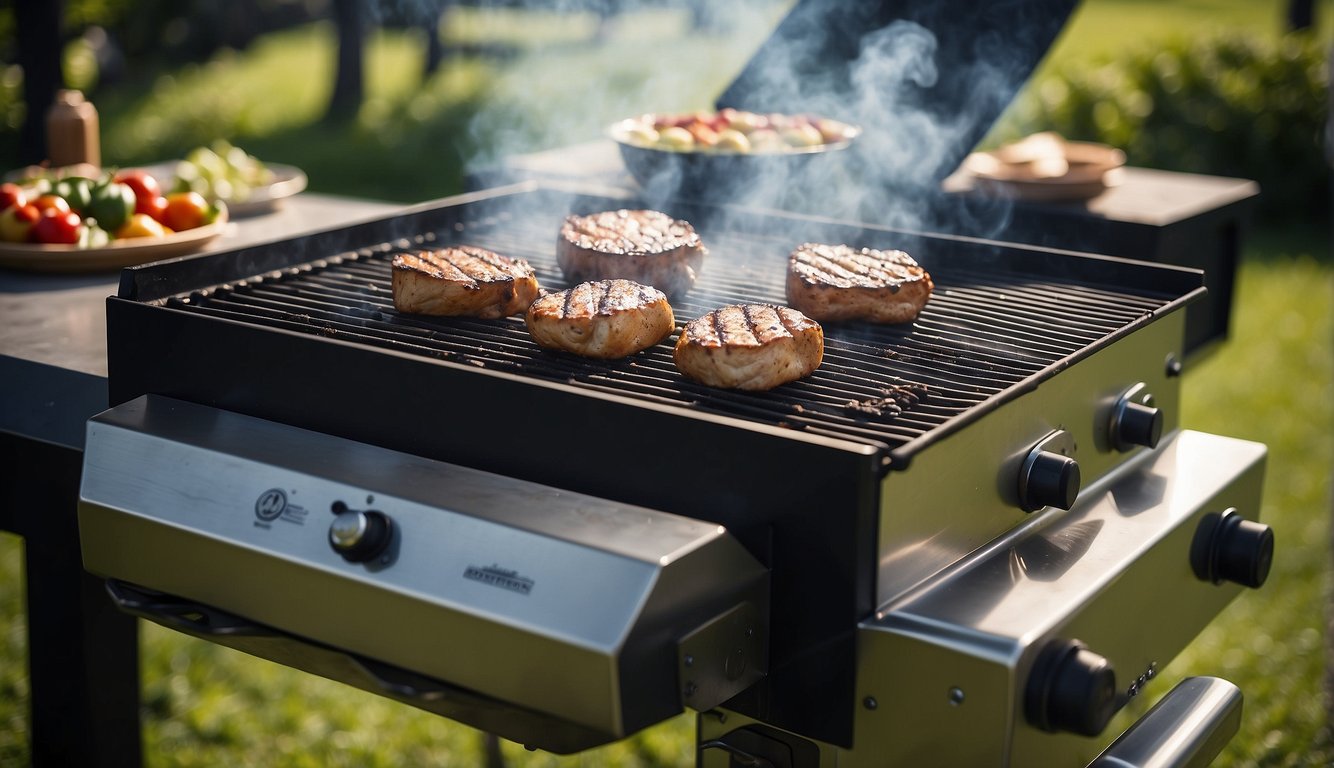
[360, 536]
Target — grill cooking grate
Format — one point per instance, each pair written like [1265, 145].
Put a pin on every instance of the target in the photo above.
[982, 332]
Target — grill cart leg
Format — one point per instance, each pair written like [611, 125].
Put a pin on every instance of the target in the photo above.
[83, 655]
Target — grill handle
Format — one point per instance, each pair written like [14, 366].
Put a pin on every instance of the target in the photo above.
[1186, 729]
[181, 614]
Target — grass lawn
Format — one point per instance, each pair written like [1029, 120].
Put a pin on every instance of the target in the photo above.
[1273, 382]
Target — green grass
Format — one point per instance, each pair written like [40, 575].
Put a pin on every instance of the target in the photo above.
[1272, 382]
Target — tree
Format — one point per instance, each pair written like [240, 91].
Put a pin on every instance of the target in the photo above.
[38, 23]
[349, 79]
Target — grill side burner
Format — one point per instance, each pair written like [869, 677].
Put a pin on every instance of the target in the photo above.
[846, 509]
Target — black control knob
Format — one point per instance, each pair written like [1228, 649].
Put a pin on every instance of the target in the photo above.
[1137, 424]
[360, 536]
[1228, 547]
[1048, 479]
[1070, 689]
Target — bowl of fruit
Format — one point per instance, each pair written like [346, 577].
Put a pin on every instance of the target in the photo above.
[728, 153]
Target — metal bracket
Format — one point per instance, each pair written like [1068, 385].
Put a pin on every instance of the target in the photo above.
[722, 657]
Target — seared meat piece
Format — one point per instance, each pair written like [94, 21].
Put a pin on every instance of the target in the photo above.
[605, 319]
[462, 280]
[750, 346]
[837, 282]
[648, 247]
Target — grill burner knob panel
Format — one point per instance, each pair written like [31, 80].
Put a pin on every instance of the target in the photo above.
[360, 537]
[1228, 547]
[1070, 689]
[1135, 420]
[1049, 477]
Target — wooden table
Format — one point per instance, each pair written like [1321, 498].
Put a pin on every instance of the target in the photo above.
[83, 654]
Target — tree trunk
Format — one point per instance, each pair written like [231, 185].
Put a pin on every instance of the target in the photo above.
[1301, 14]
[39, 48]
[349, 79]
[435, 50]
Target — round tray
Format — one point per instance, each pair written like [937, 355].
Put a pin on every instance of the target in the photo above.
[121, 253]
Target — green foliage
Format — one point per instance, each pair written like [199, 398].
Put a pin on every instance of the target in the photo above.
[1229, 105]
[407, 143]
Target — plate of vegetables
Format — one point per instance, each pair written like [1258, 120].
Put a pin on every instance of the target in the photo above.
[83, 219]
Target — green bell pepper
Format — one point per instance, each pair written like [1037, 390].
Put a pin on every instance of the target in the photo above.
[112, 205]
[77, 191]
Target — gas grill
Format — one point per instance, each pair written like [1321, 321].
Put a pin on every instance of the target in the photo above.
[985, 522]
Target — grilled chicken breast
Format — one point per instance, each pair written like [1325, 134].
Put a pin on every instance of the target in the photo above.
[605, 319]
[462, 280]
[648, 247]
[838, 282]
[750, 346]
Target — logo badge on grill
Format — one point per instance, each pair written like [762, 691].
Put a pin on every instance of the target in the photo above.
[495, 576]
[270, 505]
[274, 504]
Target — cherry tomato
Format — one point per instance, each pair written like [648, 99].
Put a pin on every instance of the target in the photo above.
[146, 189]
[51, 202]
[54, 226]
[12, 195]
[155, 207]
[185, 210]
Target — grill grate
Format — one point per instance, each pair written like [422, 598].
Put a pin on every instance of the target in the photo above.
[983, 331]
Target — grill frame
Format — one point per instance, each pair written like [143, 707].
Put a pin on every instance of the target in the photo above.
[638, 452]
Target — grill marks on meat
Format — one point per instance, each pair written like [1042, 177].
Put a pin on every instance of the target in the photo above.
[605, 319]
[462, 280]
[648, 247]
[750, 346]
[832, 283]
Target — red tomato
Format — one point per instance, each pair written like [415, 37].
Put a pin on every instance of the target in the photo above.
[12, 195]
[51, 202]
[147, 191]
[185, 210]
[154, 207]
[56, 227]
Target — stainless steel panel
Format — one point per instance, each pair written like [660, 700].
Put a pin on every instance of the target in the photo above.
[1114, 572]
[943, 669]
[961, 492]
[560, 601]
